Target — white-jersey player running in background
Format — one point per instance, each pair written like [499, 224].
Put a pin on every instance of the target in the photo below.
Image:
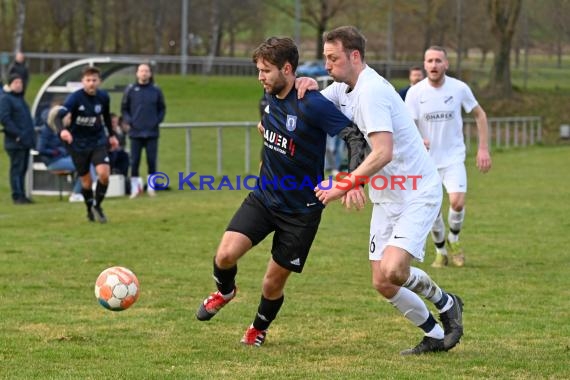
[435, 104]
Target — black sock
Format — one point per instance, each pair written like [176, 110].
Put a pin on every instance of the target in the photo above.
[100, 192]
[267, 312]
[87, 197]
[225, 278]
[440, 245]
[429, 324]
[443, 301]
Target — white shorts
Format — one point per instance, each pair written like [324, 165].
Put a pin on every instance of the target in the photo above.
[454, 178]
[404, 226]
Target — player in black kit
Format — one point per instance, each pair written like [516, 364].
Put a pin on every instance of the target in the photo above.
[86, 138]
[294, 138]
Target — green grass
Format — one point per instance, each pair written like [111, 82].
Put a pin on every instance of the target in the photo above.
[332, 325]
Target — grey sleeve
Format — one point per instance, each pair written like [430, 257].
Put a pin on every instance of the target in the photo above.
[356, 145]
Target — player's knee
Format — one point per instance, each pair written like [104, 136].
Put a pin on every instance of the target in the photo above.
[272, 288]
[394, 276]
[225, 259]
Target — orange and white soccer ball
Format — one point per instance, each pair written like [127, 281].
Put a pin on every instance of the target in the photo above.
[117, 288]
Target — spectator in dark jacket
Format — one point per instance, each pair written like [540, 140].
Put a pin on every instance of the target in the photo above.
[19, 136]
[143, 109]
[18, 67]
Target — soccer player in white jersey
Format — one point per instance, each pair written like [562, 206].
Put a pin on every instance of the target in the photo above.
[402, 216]
[435, 104]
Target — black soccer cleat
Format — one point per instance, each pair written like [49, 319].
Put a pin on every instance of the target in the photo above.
[428, 344]
[90, 216]
[452, 321]
[99, 214]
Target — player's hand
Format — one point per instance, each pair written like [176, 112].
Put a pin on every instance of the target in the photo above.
[303, 84]
[328, 191]
[355, 197]
[113, 142]
[426, 144]
[66, 136]
[260, 129]
[483, 160]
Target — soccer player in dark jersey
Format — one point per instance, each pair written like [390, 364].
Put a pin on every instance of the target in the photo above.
[294, 137]
[86, 137]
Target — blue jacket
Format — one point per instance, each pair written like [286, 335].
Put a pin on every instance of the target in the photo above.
[17, 120]
[50, 146]
[143, 109]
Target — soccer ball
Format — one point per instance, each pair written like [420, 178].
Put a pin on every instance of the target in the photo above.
[117, 288]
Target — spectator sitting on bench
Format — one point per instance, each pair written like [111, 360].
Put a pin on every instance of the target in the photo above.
[119, 157]
[55, 156]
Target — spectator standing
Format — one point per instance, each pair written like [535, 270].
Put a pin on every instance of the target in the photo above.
[18, 67]
[19, 136]
[143, 109]
[415, 75]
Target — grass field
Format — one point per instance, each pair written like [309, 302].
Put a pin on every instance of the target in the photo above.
[333, 325]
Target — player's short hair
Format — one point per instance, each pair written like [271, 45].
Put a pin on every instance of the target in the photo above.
[278, 51]
[90, 70]
[349, 36]
[438, 48]
[415, 68]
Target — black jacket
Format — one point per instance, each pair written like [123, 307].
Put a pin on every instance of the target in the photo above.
[17, 120]
[143, 109]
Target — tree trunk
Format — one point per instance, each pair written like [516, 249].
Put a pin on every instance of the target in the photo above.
[19, 30]
[214, 35]
[89, 27]
[504, 16]
[104, 26]
[157, 26]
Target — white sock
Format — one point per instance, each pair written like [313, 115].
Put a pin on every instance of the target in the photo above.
[441, 251]
[231, 295]
[438, 233]
[447, 306]
[436, 332]
[410, 305]
[420, 283]
[455, 220]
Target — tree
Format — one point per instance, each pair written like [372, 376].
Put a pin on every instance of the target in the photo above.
[21, 21]
[504, 15]
[317, 14]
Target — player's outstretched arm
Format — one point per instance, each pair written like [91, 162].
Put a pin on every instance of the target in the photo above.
[483, 158]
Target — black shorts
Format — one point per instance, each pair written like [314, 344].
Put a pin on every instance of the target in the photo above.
[294, 233]
[82, 160]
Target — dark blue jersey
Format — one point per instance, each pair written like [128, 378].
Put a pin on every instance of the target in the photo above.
[294, 150]
[89, 118]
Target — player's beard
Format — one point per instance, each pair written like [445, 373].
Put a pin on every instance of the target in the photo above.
[279, 85]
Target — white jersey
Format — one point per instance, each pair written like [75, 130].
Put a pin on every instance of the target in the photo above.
[375, 106]
[437, 112]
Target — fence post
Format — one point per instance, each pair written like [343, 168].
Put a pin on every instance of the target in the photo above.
[188, 149]
[247, 151]
[498, 134]
[219, 164]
